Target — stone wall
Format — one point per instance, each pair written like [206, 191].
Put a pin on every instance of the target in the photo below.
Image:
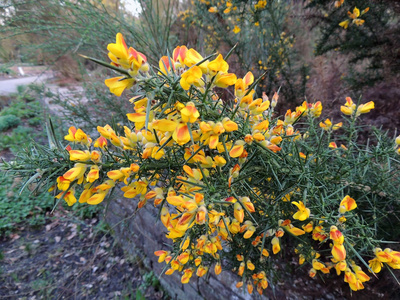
[141, 234]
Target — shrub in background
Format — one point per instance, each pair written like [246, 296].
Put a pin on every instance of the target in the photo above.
[236, 186]
[84, 26]
[365, 31]
[262, 37]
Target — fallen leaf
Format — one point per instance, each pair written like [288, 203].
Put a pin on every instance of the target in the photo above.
[14, 236]
[70, 237]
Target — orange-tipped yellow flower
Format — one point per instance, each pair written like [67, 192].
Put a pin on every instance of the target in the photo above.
[308, 227]
[347, 204]
[327, 125]
[250, 288]
[97, 198]
[336, 236]
[181, 134]
[201, 271]
[189, 113]
[76, 173]
[93, 174]
[179, 55]
[339, 252]
[86, 194]
[217, 268]
[247, 203]
[77, 136]
[186, 276]
[249, 232]
[118, 84]
[69, 197]
[238, 212]
[250, 265]
[161, 255]
[79, 155]
[353, 16]
[237, 149]
[349, 108]
[63, 183]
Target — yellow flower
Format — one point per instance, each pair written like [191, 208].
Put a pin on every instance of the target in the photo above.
[327, 125]
[189, 113]
[365, 108]
[238, 212]
[93, 174]
[77, 136]
[62, 183]
[353, 16]
[347, 204]
[349, 107]
[79, 155]
[375, 265]
[260, 4]
[186, 276]
[275, 245]
[236, 30]
[237, 149]
[76, 173]
[118, 84]
[217, 268]
[218, 65]
[119, 52]
[69, 197]
[191, 77]
[338, 3]
[86, 194]
[225, 80]
[181, 134]
[303, 213]
[192, 57]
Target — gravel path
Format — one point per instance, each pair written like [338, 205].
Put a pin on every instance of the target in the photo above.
[9, 86]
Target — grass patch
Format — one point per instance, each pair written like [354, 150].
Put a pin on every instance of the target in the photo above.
[21, 120]
[25, 114]
[8, 121]
[16, 208]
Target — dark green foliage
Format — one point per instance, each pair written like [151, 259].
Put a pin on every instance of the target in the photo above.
[16, 208]
[86, 27]
[7, 122]
[372, 48]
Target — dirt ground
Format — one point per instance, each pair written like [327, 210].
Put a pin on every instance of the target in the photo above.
[71, 259]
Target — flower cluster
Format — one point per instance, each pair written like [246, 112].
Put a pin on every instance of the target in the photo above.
[130, 60]
[354, 17]
[216, 167]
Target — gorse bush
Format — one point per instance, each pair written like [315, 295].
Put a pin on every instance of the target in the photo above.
[365, 31]
[262, 37]
[235, 184]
